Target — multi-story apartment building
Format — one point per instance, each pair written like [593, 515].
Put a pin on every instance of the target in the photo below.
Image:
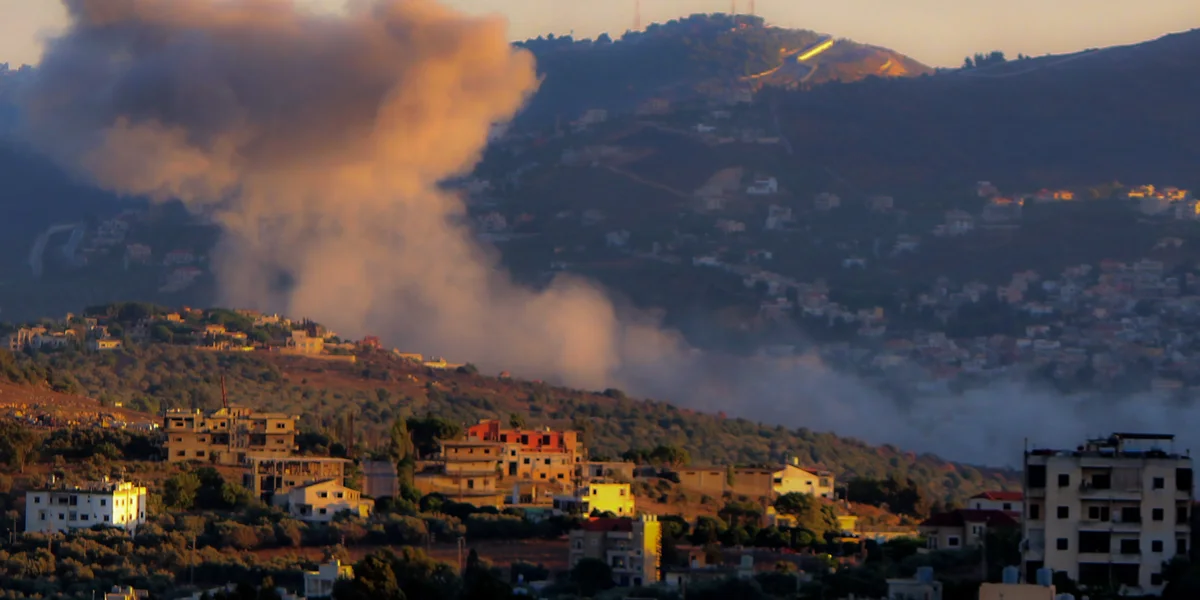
[272, 477]
[1110, 512]
[533, 454]
[631, 547]
[227, 435]
[466, 470]
[58, 508]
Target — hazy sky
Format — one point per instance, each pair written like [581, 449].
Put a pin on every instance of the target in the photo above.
[936, 32]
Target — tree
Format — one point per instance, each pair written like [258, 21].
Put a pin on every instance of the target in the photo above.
[17, 445]
[810, 513]
[374, 579]
[591, 576]
[670, 455]
[516, 421]
[179, 491]
[482, 582]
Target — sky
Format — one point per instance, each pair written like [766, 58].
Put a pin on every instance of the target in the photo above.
[935, 32]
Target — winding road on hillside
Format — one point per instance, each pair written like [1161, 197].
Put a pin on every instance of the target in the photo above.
[38, 250]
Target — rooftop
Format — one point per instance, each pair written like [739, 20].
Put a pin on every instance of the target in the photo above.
[1118, 445]
[1003, 496]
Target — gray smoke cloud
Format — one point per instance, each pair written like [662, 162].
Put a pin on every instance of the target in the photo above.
[318, 143]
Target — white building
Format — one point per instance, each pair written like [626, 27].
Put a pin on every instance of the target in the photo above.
[1005, 501]
[319, 583]
[1114, 510]
[59, 508]
[764, 187]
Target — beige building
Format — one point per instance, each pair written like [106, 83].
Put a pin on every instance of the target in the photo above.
[1112, 511]
[380, 479]
[964, 528]
[227, 436]
[631, 547]
[465, 471]
[270, 478]
[320, 502]
[788, 478]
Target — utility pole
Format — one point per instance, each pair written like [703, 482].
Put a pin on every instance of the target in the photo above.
[462, 545]
[192, 563]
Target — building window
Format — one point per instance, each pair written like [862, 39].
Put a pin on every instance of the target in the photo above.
[547, 461]
[200, 454]
[37, 499]
[952, 541]
[105, 518]
[1064, 512]
[1007, 506]
[470, 484]
[322, 511]
[1130, 547]
[1159, 483]
[104, 502]
[1156, 514]
[339, 495]
[181, 453]
[527, 461]
[1035, 511]
[322, 494]
[1062, 544]
[1156, 546]
[1181, 546]
[1064, 480]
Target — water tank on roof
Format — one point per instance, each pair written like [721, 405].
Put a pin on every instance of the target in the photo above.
[1011, 575]
[1045, 577]
[925, 574]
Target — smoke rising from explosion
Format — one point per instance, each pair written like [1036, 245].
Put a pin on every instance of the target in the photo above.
[318, 142]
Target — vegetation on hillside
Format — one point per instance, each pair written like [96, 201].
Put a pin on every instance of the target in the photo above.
[666, 60]
[354, 405]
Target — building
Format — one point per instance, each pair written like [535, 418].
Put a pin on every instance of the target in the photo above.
[227, 435]
[1016, 591]
[319, 583]
[1112, 511]
[921, 587]
[321, 501]
[59, 507]
[964, 528]
[124, 592]
[302, 343]
[598, 498]
[1005, 501]
[103, 344]
[537, 454]
[623, 471]
[958, 222]
[380, 479]
[787, 478]
[826, 201]
[466, 470]
[631, 547]
[270, 478]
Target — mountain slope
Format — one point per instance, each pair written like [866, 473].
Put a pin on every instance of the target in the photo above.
[1123, 113]
[679, 59]
[381, 387]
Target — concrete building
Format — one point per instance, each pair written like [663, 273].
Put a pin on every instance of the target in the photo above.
[615, 498]
[57, 508]
[960, 529]
[1003, 501]
[226, 436]
[1016, 591]
[466, 471]
[537, 454]
[321, 501]
[125, 592]
[1111, 511]
[787, 478]
[270, 478]
[380, 479]
[921, 587]
[319, 583]
[631, 547]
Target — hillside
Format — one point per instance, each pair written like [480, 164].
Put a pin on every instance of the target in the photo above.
[1121, 113]
[680, 59]
[336, 398]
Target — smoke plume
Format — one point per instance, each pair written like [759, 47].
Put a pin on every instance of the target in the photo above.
[318, 142]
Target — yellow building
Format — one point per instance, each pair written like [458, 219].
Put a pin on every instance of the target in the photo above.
[227, 436]
[632, 548]
[320, 502]
[615, 498]
[794, 478]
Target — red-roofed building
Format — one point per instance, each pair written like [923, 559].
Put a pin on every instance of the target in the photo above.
[1005, 501]
[537, 454]
[965, 528]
